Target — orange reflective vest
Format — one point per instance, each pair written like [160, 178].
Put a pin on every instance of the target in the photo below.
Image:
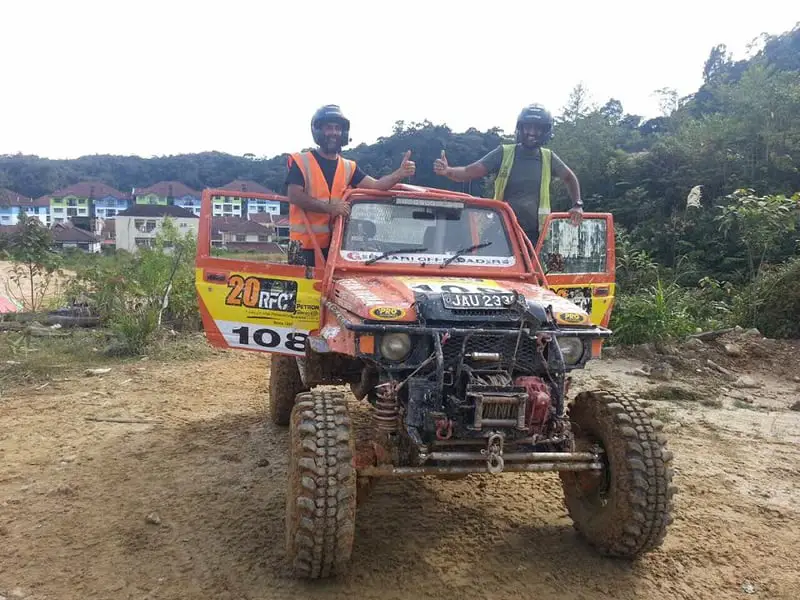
[317, 187]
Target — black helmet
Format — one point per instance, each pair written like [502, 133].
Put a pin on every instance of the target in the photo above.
[330, 113]
[538, 115]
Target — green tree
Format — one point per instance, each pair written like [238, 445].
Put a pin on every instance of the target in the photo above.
[760, 223]
[34, 264]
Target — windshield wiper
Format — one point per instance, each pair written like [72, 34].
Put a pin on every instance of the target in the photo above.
[397, 251]
[464, 251]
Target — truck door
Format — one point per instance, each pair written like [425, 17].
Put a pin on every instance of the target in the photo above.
[579, 262]
[249, 296]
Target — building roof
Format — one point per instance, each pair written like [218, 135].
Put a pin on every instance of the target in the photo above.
[167, 189]
[88, 189]
[67, 232]
[157, 211]
[12, 198]
[236, 225]
[270, 219]
[246, 185]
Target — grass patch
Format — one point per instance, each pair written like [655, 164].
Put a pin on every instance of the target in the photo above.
[711, 402]
[674, 393]
[737, 403]
[169, 346]
[663, 414]
[30, 360]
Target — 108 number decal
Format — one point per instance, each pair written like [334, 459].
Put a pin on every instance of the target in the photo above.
[269, 338]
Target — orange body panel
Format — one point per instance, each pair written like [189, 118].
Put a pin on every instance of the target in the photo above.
[362, 292]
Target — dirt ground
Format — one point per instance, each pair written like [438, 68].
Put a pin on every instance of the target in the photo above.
[191, 503]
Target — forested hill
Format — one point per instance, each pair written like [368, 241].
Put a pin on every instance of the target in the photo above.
[740, 129]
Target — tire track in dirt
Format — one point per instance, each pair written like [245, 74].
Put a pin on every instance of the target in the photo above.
[75, 495]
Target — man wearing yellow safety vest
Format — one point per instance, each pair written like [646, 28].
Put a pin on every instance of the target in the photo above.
[318, 179]
[524, 171]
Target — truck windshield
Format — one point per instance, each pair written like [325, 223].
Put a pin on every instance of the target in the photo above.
[420, 232]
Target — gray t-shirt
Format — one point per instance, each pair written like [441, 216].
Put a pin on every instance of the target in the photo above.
[524, 182]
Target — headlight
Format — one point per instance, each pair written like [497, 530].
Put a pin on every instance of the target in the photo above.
[571, 348]
[395, 346]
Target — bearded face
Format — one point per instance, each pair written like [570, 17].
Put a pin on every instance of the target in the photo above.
[332, 136]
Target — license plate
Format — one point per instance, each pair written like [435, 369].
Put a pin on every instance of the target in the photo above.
[476, 300]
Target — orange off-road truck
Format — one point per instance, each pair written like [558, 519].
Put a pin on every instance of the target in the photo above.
[459, 337]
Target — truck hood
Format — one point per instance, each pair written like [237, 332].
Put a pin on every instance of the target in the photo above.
[394, 298]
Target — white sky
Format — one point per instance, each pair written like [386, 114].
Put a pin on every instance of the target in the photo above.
[171, 76]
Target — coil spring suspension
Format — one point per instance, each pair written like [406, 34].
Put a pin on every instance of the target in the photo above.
[386, 413]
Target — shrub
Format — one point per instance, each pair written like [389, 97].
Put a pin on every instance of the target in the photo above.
[135, 294]
[658, 313]
[772, 302]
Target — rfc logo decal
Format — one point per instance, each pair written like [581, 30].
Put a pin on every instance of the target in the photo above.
[386, 312]
[261, 293]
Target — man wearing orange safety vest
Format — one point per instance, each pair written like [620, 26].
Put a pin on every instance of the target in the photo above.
[318, 179]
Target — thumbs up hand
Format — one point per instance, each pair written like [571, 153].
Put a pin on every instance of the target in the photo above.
[407, 166]
[440, 166]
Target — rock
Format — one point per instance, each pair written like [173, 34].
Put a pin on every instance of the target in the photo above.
[795, 406]
[758, 350]
[746, 382]
[153, 519]
[263, 463]
[671, 427]
[17, 593]
[646, 350]
[728, 374]
[748, 588]
[753, 332]
[679, 362]
[638, 373]
[738, 329]
[796, 378]
[610, 352]
[694, 344]
[63, 489]
[666, 348]
[733, 350]
[662, 372]
[93, 372]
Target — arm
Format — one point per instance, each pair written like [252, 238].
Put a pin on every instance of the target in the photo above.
[468, 173]
[573, 187]
[572, 184]
[384, 183]
[480, 168]
[569, 178]
[387, 182]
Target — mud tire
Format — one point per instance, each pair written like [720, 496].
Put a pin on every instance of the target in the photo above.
[321, 493]
[628, 513]
[284, 385]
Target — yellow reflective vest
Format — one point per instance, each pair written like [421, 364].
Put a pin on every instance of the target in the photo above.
[505, 171]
